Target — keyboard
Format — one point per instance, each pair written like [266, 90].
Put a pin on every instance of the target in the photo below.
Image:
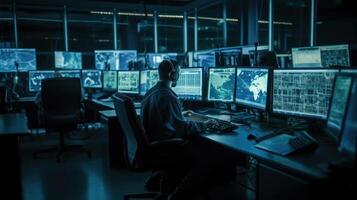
[303, 141]
[221, 126]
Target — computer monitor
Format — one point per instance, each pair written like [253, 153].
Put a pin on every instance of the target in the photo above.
[303, 92]
[321, 56]
[348, 141]
[230, 57]
[221, 82]
[338, 105]
[353, 71]
[128, 82]
[252, 87]
[335, 55]
[92, 78]
[148, 78]
[306, 57]
[189, 85]
[22, 60]
[35, 78]
[68, 60]
[125, 57]
[110, 80]
[155, 59]
[70, 73]
[205, 59]
[106, 59]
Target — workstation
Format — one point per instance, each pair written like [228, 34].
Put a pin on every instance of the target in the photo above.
[253, 99]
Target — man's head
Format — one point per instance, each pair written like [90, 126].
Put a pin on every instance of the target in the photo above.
[169, 70]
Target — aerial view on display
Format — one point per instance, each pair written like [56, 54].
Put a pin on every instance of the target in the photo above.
[92, 78]
[303, 92]
[252, 86]
[125, 57]
[110, 80]
[221, 84]
[25, 59]
[106, 60]
[68, 60]
[35, 78]
[128, 81]
[335, 55]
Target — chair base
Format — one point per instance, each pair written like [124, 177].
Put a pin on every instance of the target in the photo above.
[146, 195]
[61, 150]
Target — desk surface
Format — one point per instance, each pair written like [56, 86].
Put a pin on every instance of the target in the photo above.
[310, 164]
[13, 124]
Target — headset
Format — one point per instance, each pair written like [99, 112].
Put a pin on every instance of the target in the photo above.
[174, 72]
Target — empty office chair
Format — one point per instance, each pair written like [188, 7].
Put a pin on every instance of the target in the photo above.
[140, 154]
[61, 99]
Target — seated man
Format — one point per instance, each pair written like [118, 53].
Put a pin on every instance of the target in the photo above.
[162, 119]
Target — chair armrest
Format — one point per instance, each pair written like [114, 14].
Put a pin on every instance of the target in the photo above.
[167, 145]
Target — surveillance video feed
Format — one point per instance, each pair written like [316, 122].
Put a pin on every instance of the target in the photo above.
[35, 78]
[68, 60]
[128, 82]
[70, 73]
[110, 80]
[106, 60]
[22, 60]
[92, 78]
[125, 57]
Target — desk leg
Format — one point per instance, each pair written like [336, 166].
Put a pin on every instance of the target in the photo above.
[10, 168]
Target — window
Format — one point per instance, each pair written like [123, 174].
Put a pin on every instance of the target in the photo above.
[170, 33]
[263, 22]
[291, 24]
[336, 22]
[191, 31]
[234, 12]
[6, 27]
[210, 27]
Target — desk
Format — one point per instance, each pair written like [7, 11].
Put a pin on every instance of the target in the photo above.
[11, 127]
[296, 176]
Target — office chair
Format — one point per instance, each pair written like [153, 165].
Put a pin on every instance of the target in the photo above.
[140, 154]
[3, 97]
[61, 99]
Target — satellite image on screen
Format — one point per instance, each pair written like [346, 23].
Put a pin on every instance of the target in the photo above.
[125, 57]
[35, 78]
[92, 78]
[110, 79]
[303, 92]
[148, 79]
[70, 73]
[128, 81]
[106, 60]
[68, 60]
[25, 58]
[335, 55]
[339, 102]
[221, 84]
[252, 86]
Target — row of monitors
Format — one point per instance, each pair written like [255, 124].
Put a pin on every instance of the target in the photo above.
[296, 92]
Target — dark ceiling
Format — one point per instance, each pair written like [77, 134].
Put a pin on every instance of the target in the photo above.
[150, 2]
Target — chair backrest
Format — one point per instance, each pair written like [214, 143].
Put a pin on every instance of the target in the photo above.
[3, 97]
[61, 96]
[136, 143]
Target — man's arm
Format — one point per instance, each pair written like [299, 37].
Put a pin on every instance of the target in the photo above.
[178, 123]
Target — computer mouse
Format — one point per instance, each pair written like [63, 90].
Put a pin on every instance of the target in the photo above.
[251, 137]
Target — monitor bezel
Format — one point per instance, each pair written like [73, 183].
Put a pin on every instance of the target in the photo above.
[202, 86]
[290, 114]
[125, 92]
[330, 132]
[61, 68]
[29, 79]
[116, 85]
[234, 86]
[247, 105]
[101, 77]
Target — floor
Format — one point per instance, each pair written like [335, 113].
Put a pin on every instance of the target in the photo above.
[79, 177]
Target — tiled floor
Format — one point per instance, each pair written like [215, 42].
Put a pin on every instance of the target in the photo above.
[79, 177]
